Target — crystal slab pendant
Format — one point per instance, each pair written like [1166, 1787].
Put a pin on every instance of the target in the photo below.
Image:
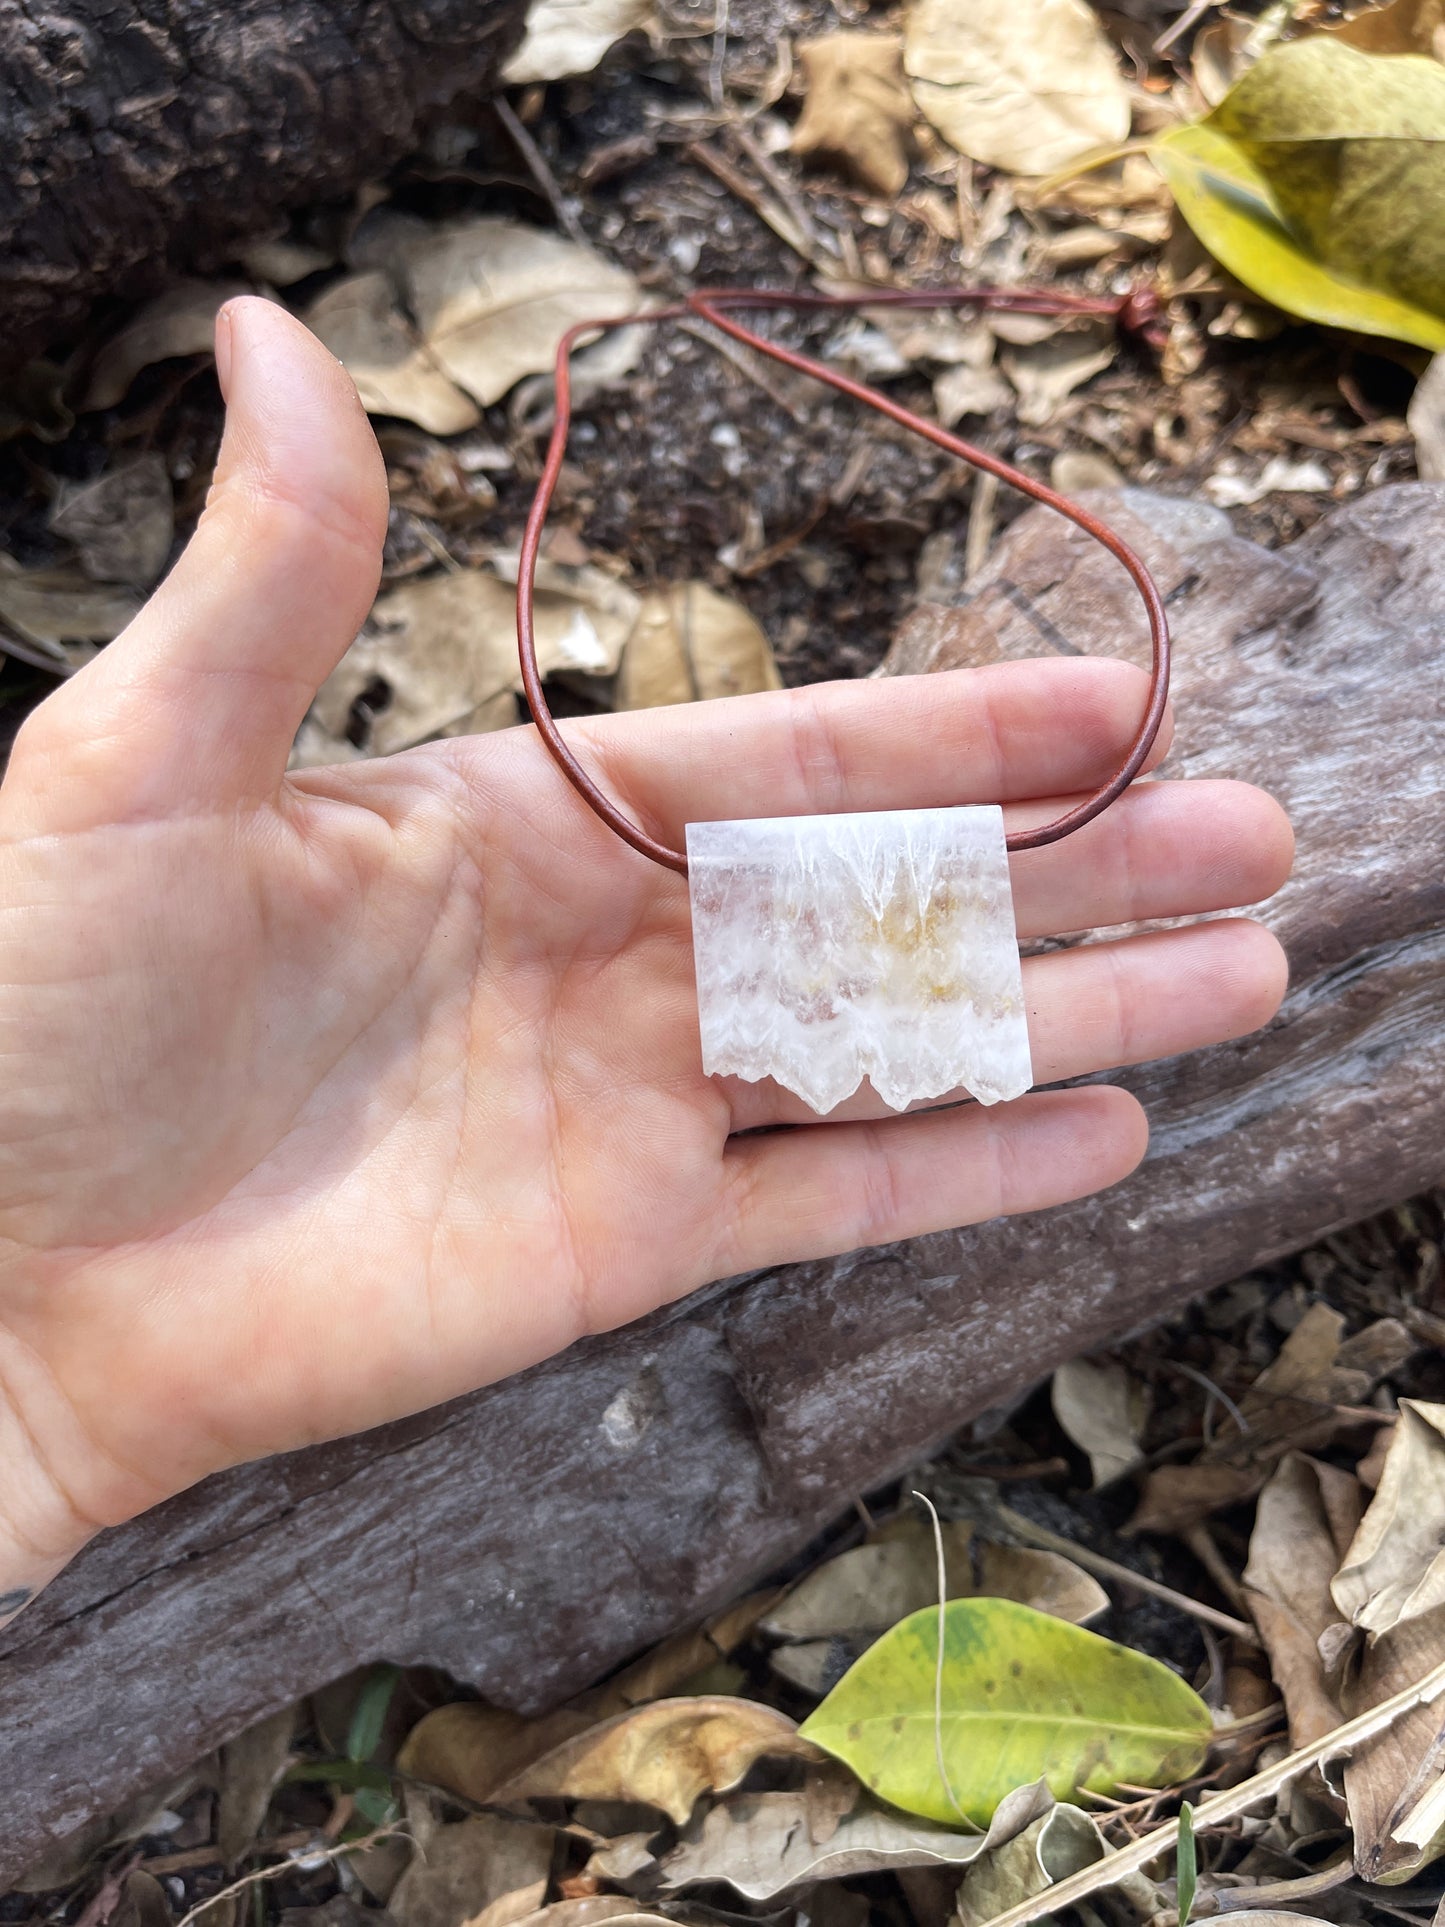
[880, 945]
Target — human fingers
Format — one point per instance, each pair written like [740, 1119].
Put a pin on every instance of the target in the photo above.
[1012, 730]
[794, 1195]
[197, 702]
[1163, 850]
[1102, 1006]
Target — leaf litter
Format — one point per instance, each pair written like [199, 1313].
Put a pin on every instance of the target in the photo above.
[657, 1798]
[1265, 1482]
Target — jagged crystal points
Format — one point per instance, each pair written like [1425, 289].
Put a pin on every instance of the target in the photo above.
[879, 944]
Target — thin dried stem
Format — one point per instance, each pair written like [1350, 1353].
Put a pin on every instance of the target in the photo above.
[289, 1865]
[1125, 1575]
[923, 1499]
[1224, 1806]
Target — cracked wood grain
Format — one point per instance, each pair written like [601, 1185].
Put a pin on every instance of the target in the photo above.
[531, 1536]
[146, 135]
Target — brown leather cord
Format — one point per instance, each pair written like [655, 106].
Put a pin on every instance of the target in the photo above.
[1137, 312]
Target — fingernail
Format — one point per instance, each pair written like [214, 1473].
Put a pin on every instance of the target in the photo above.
[223, 348]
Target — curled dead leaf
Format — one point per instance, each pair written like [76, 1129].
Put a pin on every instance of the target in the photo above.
[664, 1755]
[441, 653]
[492, 297]
[570, 36]
[690, 644]
[60, 607]
[857, 110]
[182, 321]
[462, 1866]
[1305, 1519]
[358, 320]
[761, 1844]
[1394, 1569]
[471, 1749]
[122, 523]
[1102, 1412]
[1029, 86]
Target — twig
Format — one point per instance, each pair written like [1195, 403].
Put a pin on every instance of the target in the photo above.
[1224, 1806]
[211, 1856]
[1282, 1893]
[980, 525]
[778, 181]
[769, 211]
[1200, 1542]
[289, 1865]
[718, 60]
[1124, 1575]
[1190, 17]
[542, 174]
[757, 371]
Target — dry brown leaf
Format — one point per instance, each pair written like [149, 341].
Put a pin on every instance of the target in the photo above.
[1315, 1387]
[1176, 1497]
[1218, 57]
[660, 1672]
[864, 1591]
[251, 1764]
[122, 523]
[357, 318]
[589, 1910]
[857, 110]
[1075, 469]
[1046, 374]
[1400, 27]
[1394, 1569]
[471, 1749]
[143, 1902]
[870, 1588]
[461, 1868]
[761, 1844]
[1305, 1519]
[1102, 1412]
[1062, 1841]
[664, 1755]
[1029, 86]
[1395, 1783]
[1425, 418]
[509, 1908]
[570, 36]
[493, 297]
[284, 260]
[445, 648]
[962, 390]
[690, 644]
[182, 321]
[55, 607]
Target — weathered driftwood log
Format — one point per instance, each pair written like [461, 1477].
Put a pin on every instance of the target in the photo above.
[145, 134]
[532, 1535]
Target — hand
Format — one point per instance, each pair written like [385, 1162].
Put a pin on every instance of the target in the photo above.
[326, 1097]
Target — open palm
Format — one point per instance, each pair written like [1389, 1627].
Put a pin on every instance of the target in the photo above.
[328, 1096]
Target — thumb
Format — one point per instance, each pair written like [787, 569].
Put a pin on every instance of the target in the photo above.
[198, 700]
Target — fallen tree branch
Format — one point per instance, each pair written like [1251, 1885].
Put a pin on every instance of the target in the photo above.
[146, 135]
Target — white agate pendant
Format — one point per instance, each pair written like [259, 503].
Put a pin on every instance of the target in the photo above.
[879, 945]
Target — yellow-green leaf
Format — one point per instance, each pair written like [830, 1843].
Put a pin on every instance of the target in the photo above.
[1025, 1697]
[1319, 182]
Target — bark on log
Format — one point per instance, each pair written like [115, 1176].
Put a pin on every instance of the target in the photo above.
[534, 1534]
[144, 135]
